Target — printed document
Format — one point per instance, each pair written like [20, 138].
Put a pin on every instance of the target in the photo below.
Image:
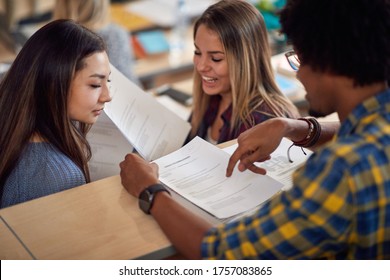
[108, 146]
[148, 126]
[279, 167]
[197, 172]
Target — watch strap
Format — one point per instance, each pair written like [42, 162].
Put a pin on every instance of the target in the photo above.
[152, 190]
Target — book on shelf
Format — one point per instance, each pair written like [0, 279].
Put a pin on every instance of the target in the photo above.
[150, 42]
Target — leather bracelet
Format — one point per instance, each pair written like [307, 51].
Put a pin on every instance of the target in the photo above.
[317, 134]
[313, 134]
[308, 136]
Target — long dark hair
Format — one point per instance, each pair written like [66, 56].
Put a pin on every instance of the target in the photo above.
[34, 94]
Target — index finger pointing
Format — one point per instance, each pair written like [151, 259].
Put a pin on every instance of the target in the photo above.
[234, 158]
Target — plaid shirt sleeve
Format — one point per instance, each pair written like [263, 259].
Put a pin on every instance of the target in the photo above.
[339, 206]
[311, 220]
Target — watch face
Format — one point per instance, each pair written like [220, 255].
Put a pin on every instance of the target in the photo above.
[145, 201]
[147, 196]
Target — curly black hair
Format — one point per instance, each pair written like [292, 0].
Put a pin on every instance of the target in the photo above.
[344, 37]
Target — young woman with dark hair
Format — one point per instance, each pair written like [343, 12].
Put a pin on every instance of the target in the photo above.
[52, 94]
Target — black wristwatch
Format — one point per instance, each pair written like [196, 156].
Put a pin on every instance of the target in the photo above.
[146, 198]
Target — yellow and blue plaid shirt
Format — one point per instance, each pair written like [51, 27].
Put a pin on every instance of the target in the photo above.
[338, 208]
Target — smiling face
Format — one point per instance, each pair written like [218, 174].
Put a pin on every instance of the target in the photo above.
[210, 62]
[89, 90]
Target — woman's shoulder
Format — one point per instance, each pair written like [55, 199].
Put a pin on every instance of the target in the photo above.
[41, 170]
[45, 155]
[39, 150]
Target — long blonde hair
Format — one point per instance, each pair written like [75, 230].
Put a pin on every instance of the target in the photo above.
[93, 14]
[243, 34]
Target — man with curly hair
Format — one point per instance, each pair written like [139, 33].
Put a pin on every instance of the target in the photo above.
[339, 205]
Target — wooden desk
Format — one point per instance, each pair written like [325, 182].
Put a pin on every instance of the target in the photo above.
[11, 247]
[99, 220]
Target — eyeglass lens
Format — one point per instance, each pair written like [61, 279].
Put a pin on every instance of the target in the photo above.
[293, 61]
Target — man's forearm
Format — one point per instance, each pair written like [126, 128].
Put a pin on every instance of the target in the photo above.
[183, 228]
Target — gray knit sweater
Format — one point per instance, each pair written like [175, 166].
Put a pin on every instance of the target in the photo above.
[41, 170]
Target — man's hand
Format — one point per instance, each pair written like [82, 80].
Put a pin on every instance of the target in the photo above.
[256, 145]
[137, 174]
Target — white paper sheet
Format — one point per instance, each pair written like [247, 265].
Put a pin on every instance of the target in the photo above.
[197, 172]
[278, 167]
[151, 128]
[109, 147]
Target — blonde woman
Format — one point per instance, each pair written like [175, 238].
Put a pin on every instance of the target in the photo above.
[234, 84]
[95, 15]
